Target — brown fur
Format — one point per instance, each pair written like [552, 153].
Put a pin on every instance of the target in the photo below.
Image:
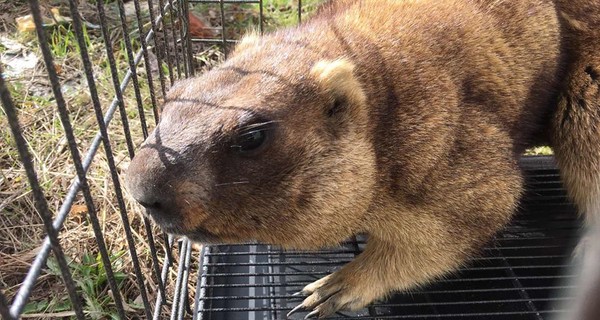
[400, 119]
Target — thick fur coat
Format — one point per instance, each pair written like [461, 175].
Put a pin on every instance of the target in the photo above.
[400, 119]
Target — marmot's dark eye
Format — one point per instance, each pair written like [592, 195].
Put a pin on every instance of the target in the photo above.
[251, 140]
[254, 137]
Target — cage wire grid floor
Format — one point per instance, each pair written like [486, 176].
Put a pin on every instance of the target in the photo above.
[523, 273]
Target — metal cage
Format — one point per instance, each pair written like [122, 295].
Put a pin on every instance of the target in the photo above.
[518, 276]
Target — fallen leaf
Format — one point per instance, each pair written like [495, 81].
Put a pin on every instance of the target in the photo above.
[78, 211]
[25, 23]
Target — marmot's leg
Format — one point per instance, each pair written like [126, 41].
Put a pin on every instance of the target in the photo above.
[389, 265]
[466, 199]
[378, 271]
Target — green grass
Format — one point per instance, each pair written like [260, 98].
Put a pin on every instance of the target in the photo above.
[63, 42]
[92, 281]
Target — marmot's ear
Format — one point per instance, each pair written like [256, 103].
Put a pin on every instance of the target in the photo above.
[337, 78]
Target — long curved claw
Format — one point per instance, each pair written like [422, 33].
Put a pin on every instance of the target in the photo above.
[312, 314]
[298, 308]
[299, 294]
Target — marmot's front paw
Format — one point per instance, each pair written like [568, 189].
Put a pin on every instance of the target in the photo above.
[334, 293]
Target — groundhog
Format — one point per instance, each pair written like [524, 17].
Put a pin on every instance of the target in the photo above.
[403, 120]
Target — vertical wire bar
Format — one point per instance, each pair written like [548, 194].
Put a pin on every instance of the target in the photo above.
[109, 154]
[272, 301]
[115, 76]
[159, 49]
[183, 26]
[260, 17]
[178, 281]
[161, 299]
[154, 256]
[223, 35]
[4, 311]
[188, 307]
[132, 68]
[40, 203]
[165, 270]
[186, 14]
[144, 44]
[161, 5]
[201, 283]
[168, 239]
[299, 11]
[283, 279]
[183, 299]
[253, 289]
[175, 47]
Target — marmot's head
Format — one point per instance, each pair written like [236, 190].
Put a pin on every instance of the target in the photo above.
[277, 152]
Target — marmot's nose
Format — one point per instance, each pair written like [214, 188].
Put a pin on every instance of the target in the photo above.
[152, 204]
[157, 205]
[157, 198]
[149, 181]
[152, 201]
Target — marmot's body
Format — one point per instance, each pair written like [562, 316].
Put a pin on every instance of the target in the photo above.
[400, 119]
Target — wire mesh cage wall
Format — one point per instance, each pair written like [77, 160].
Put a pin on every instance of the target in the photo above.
[147, 274]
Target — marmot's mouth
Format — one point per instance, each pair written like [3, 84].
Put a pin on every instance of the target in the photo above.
[167, 223]
[170, 228]
[203, 236]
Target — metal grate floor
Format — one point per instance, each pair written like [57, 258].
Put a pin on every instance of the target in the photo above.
[522, 274]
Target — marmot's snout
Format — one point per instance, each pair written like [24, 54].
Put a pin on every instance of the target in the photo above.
[151, 182]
